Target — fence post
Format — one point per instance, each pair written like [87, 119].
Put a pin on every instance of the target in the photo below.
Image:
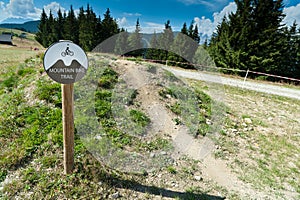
[245, 78]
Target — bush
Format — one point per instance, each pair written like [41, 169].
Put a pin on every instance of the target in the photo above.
[11, 82]
[139, 117]
[49, 91]
[108, 79]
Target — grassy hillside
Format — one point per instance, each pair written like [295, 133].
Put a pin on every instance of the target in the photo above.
[259, 139]
[31, 26]
[32, 148]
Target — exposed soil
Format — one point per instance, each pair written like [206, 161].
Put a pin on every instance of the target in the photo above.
[210, 168]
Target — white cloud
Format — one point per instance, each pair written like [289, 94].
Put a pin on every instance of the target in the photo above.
[25, 9]
[3, 13]
[122, 21]
[202, 2]
[207, 26]
[22, 9]
[132, 14]
[2, 5]
[151, 27]
[211, 4]
[146, 27]
[54, 7]
[292, 13]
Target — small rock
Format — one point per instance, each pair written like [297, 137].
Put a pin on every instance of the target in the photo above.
[233, 130]
[152, 155]
[244, 124]
[248, 121]
[152, 170]
[115, 195]
[208, 122]
[292, 165]
[98, 137]
[163, 153]
[198, 178]
[174, 184]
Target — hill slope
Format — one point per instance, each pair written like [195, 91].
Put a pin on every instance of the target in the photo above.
[254, 154]
[30, 26]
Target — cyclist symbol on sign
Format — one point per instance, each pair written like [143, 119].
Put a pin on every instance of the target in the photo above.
[67, 52]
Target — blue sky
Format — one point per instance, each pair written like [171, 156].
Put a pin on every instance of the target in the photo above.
[151, 13]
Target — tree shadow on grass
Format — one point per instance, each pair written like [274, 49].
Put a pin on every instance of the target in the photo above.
[154, 190]
[99, 172]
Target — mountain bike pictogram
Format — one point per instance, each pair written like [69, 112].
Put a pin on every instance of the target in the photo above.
[67, 52]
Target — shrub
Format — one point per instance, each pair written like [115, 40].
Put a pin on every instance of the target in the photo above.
[108, 79]
[139, 117]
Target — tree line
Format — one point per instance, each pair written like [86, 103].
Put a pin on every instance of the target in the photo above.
[85, 29]
[255, 38]
[165, 46]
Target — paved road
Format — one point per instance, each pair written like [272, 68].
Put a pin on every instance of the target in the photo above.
[259, 87]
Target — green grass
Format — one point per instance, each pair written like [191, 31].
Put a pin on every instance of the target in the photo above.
[192, 106]
[32, 145]
[139, 117]
[171, 170]
[273, 155]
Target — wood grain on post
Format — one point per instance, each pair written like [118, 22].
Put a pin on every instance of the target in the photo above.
[68, 126]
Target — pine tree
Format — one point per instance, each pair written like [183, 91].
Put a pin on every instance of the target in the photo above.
[71, 28]
[184, 29]
[109, 29]
[52, 34]
[191, 29]
[122, 45]
[87, 21]
[135, 40]
[59, 24]
[289, 52]
[251, 38]
[153, 52]
[109, 25]
[42, 33]
[165, 41]
[180, 48]
[99, 29]
[196, 35]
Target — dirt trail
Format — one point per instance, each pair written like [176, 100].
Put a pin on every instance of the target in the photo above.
[259, 87]
[162, 123]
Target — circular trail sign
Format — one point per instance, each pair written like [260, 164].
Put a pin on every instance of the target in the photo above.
[65, 62]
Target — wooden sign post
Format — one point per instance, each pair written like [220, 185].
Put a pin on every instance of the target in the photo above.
[68, 126]
[66, 63]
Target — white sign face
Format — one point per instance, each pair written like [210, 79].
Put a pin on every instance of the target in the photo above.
[65, 62]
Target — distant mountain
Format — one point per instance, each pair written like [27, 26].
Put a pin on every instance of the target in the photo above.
[30, 26]
[15, 20]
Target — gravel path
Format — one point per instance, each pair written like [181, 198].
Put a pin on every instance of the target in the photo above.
[259, 87]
